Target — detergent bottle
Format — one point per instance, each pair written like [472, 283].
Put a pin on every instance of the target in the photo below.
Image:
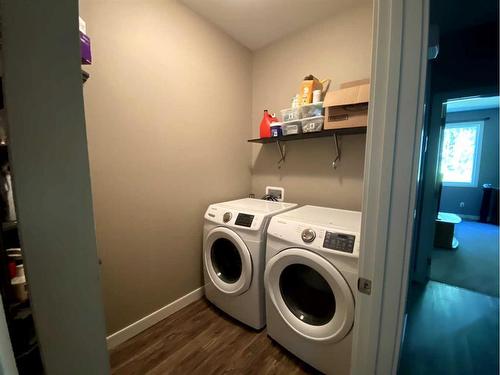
[265, 124]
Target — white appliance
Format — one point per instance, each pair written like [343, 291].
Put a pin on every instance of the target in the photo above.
[311, 279]
[234, 241]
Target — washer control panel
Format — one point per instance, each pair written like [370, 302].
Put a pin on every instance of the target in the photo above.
[339, 241]
[232, 218]
[244, 220]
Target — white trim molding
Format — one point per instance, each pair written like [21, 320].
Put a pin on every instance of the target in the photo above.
[150, 320]
[469, 217]
[390, 182]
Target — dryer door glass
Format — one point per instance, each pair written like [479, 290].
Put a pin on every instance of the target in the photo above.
[226, 260]
[307, 294]
[310, 294]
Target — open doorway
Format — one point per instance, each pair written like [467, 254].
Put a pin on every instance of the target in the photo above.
[452, 306]
[465, 252]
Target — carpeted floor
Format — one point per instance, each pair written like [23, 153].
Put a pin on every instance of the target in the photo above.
[474, 265]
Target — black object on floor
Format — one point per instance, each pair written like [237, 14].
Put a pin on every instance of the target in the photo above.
[489, 205]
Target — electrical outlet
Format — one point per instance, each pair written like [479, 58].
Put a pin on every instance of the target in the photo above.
[277, 192]
[462, 204]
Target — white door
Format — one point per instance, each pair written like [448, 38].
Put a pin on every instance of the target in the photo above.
[310, 294]
[52, 187]
[227, 261]
[393, 145]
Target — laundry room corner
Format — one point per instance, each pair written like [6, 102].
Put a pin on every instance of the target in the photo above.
[249, 187]
[167, 118]
[337, 47]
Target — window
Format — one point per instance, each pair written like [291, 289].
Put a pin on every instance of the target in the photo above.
[461, 153]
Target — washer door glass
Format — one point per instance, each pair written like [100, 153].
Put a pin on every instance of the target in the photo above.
[310, 295]
[227, 261]
[307, 294]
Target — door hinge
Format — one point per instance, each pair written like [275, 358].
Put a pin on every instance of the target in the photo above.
[365, 286]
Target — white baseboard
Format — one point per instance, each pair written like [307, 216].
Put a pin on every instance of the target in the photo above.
[135, 328]
[469, 217]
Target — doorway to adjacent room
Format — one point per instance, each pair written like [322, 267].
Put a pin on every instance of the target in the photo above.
[465, 248]
[452, 309]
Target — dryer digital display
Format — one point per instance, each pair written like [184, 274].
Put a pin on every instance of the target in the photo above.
[244, 220]
[339, 241]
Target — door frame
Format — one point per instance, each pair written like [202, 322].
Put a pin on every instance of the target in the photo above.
[431, 191]
[393, 148]
[7, 361]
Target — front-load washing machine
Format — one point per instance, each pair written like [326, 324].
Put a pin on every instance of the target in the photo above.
[311, 280]
[234, 241]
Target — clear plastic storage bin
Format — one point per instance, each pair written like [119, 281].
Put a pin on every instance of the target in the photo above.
[311, 110]
[312, 124]
[291, 127]
[290, 114]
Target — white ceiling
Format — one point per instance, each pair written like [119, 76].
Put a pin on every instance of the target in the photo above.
[256, 23]
[472, 104]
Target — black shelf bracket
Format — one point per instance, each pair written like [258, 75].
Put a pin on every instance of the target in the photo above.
[335, 133]
[282, 151]
[85, 76]
[337, 151]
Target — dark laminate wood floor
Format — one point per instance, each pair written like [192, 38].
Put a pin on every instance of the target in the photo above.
[450, 331]
[200, 339]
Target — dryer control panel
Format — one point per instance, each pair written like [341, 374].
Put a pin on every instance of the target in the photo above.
[339, 241]
[331, 239]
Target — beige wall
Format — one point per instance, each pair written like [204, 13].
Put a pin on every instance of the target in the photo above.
[168, 115]
[340, 49]
[168, 109]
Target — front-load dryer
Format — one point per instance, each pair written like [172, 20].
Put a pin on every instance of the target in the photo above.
[310, 280]
[234, 241]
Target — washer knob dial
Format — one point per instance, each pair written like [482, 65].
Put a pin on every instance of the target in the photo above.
[227, 216]
[308, 235]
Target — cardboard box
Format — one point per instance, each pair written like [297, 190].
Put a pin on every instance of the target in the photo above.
[348, 106]
[306, 90]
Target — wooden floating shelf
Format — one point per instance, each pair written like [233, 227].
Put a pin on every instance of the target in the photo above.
[334, 133]
[321, 134]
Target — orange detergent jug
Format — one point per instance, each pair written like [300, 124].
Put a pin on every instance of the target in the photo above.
[265, 124]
